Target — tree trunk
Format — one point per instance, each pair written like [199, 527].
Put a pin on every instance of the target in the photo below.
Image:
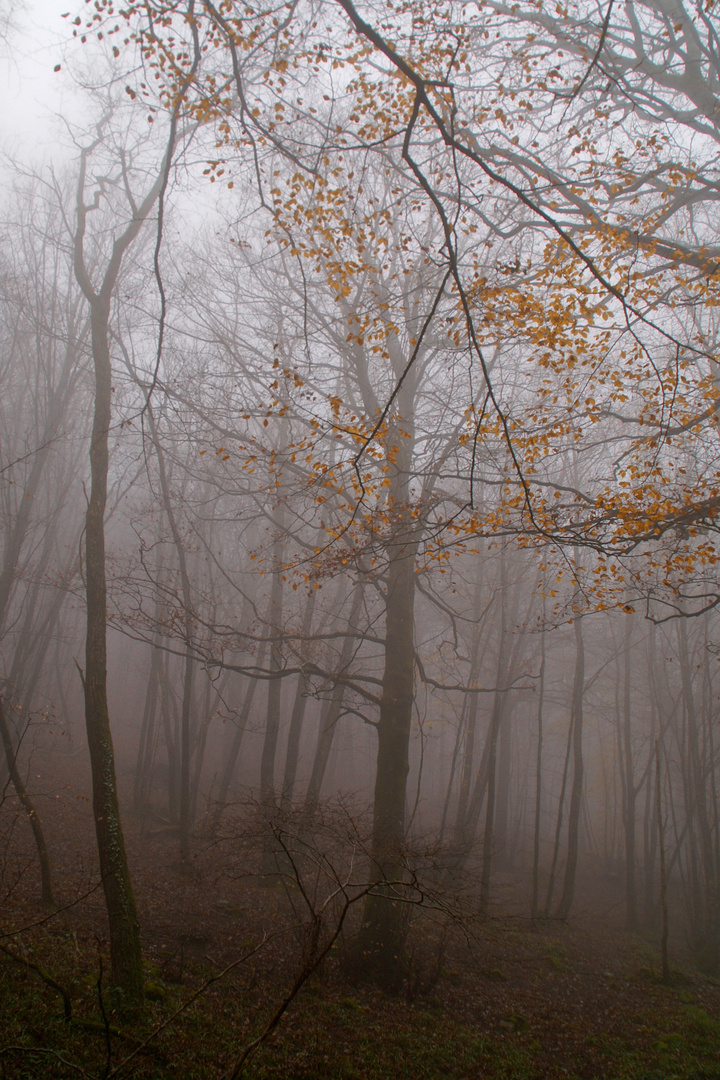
[332, 710]
[382, 932]
[706, 869]
[236, 743]
[185, 808]
[207, 713]
[629, 787]
[147, 733]
[167, 715]
[47, 895]
[535, 901]
[469, 716]
[496, 720]
[297, 716]
[125, 949]
[665, 931]
[577, 786]
[272, 722]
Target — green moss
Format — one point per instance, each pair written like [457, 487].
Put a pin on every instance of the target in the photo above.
[155, 992]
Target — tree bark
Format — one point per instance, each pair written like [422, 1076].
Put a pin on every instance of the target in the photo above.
[125, 948]
[535, 901]
[707, 933]
[665, 931]
[629, 787]
[382, 934]
[272, 722]
[576, 793]
[297, 716]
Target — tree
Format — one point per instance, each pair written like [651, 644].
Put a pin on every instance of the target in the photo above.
[602, 242]
[44, 337]
[98, 287]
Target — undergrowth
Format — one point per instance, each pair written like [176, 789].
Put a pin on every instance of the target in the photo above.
[338, 1031]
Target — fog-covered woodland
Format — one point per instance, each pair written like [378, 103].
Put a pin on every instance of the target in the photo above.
[359, 484]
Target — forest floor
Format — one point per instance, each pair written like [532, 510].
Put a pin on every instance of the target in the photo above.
[497, 996]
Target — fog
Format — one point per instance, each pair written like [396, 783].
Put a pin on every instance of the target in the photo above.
[358, 526]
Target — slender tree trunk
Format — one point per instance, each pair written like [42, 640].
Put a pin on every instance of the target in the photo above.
[496, 720]
[471, 706]
[576, 793]
[297, 716]
[331, 712]
[147, 734]
[705, 869]
[535, 901]
[47, 895]
[208, 712]
[502, 791]
[665, 932]
[233, 752]
[33, 641]
[558, 824]
[167, 715]
[272, 722]
[125, 949]
[465, 834]
[467, 728]
[629, 787]
[189, 662]
[453, 768]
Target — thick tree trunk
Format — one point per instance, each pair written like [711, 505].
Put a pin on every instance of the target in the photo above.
[382, 933]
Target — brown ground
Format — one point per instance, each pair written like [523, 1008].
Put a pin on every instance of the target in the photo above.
[580, 999]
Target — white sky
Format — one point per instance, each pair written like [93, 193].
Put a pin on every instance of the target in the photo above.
[33, 95]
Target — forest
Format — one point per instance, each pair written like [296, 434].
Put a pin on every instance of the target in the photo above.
[359, 560]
